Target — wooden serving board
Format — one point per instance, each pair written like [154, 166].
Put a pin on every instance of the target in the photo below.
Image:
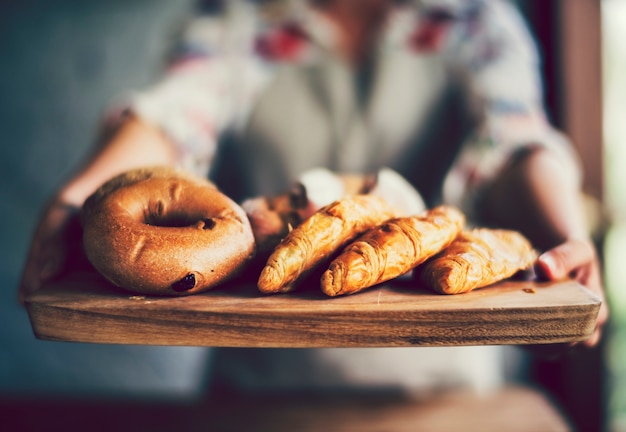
[85, 308]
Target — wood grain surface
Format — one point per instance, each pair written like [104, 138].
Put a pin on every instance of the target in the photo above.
[85, 308]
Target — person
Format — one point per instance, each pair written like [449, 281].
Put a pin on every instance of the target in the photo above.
[446, 93]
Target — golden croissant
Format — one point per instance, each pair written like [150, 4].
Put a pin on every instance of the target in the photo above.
[478, 258]
[391, 249]
[318, 237]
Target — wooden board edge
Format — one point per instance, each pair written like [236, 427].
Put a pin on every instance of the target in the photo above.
[61, 324]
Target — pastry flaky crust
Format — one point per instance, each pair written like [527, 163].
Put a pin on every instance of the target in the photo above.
[392, 249]
[478, 258]
[318, 237]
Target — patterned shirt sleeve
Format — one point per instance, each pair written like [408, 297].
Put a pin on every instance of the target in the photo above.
[490, 40]
[196, 99]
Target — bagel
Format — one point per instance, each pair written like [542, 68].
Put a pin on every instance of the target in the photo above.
[165, 232]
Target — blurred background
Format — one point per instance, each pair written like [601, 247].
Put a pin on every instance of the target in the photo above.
[614, 145]
[63, 62]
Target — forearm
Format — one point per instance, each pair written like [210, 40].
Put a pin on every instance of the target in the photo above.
[134, 144]
[537, 197]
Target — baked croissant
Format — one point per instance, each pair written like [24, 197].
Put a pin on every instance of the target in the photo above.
[391, 249]
[321, 235]
[272, 217]
[478, 258]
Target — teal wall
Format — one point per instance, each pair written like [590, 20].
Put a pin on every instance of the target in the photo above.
[61, 63]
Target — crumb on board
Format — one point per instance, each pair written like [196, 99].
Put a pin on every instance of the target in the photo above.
[136, 298]
[529, 290]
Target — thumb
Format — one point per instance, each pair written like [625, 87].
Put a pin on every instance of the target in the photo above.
[51, 267]
[558, 262]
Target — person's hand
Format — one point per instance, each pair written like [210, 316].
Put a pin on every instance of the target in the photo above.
[578, 260]
[55, 238]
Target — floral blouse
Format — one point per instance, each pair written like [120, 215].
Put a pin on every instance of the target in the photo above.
[228, 60]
